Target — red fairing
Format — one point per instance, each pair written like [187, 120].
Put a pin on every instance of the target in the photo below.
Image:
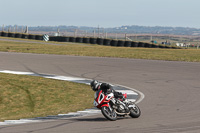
[105, 105]
[102, 100]
[125, 95]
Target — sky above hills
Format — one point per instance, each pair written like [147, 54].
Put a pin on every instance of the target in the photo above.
[105, 13]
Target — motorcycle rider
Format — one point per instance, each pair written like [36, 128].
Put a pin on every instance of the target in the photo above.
[106, 88]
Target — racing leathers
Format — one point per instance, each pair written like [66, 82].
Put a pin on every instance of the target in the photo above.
[107, 89]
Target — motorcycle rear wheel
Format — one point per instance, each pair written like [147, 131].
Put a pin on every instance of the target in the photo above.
[135, 112]
[109, 114]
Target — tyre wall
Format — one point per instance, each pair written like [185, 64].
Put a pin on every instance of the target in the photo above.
[30, 36]
[25, 36]
[86, 40]
[100, 41]
[106, 42]
[147, 45]
[79, 40]
[72, 39]
[120, 43]
[4, 34]
[11, 34]
[64, 39]
[91, 40]
[18, 35]
[141, 44]
[114, 43]
[134, 44]
[127, 44]
[38, 37]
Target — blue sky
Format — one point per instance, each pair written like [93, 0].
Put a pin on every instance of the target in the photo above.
[105, 13]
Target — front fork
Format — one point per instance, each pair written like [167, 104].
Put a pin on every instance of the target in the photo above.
[111, 109]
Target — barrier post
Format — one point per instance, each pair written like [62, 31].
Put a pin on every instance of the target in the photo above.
[3, 27]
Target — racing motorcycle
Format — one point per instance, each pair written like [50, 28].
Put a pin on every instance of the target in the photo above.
[112, 107]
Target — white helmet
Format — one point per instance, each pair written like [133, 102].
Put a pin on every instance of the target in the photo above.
[95, 85]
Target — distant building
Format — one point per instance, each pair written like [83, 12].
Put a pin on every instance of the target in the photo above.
[180, 44]
[183, 44]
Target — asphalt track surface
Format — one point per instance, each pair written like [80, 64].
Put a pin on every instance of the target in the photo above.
[172, 92]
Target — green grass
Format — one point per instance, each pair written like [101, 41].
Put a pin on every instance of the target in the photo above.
[29, 96]
[189, 55]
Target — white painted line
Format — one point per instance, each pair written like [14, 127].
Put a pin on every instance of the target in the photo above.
[27, 120]
[3, 123]
[16, 72]
[62, 114]
[63, 78]
[14, 121]
[90, 112]
[71, 113]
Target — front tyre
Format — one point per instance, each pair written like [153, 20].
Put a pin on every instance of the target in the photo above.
[109, 114]
[135, 112]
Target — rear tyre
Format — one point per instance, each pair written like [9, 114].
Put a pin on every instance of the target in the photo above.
[135, 112]
[109, 114]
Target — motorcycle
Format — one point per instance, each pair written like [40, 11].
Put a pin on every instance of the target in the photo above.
[112, 107]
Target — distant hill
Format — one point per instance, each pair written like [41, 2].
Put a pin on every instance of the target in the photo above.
[133, 29]
[156, 30]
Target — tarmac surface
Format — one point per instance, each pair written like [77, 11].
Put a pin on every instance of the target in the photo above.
[171, 89]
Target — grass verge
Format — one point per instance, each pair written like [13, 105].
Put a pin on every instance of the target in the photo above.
[189, 55]
[28, 96]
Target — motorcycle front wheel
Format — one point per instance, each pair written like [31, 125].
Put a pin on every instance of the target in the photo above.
[109, 114]
[135, 112]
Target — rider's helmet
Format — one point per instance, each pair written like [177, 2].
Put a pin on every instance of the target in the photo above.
[95, 85]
